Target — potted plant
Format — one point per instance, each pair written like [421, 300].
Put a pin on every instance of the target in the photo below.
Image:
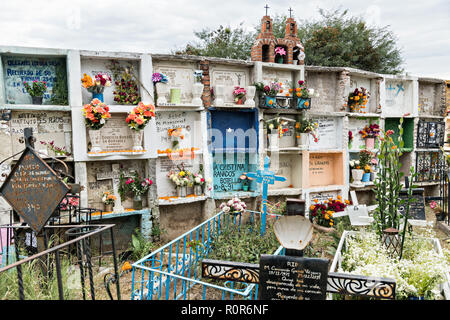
[357, 100]
[197, 88]
[239, 95]
[280, 52]
[365, 156]
[96, 86]
[95, 113]
[36, 90]
[137, 119]
[303, 95]
[160, 81]
[137, 187]
[271, 92]
[303, 129]
[233, 206]
[357, 172]
[438, 212]
[108, 199]
[369, 133]
[245, 181]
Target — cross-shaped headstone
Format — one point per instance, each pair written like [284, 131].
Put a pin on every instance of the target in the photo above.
[267, 7]
[114, 175]
[265, 177]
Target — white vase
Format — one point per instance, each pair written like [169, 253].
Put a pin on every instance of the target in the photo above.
[274, 141]
[250, 102]
[303, 140]
[357, 175]
[218, 94]
[197, 91]
[96, 140]
[136, 136]
[162, 89]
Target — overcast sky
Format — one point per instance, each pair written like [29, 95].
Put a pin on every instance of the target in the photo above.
[422, 27]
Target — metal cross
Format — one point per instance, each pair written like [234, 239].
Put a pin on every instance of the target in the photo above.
[290, 12]
[267, 7]
[265, 177]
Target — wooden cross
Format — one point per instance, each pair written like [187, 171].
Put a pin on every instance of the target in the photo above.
[265, 177]
[114, 175]
[290, 12]
[267, 7]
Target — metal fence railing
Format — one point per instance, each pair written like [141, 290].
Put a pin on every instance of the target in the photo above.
[76, 249]
[173, 271]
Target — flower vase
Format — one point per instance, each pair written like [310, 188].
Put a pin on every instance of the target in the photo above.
[280, 59]
[95, 136]
[198, 190]
[274, 141]
[249, 98]
[303, 140]
[270, 102]
[137, 202]
[218, 95]
[366, 177]
[108, 207]
[370, 143]
[136, 136]
[245, 187]
[37, 100]
[175, 95]
[197, 91]
[162, 89]
[304, 103]
[181, 191]
[98, 96]
[357, 175]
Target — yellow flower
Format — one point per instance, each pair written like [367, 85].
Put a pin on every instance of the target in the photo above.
[312, 207]
[126, 266]
[347, 202]
[327, 217]
[331, 224]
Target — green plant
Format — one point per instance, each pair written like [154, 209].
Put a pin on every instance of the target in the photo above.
[60, 91]
[388, 184]
[140, 247]
[36, 89]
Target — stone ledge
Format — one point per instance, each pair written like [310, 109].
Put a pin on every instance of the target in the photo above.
[443, 226]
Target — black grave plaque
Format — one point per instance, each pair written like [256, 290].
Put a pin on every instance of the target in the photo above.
[292, 278]
[33, 189]
[417, 207]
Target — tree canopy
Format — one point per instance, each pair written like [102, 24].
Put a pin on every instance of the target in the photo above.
[335, 39]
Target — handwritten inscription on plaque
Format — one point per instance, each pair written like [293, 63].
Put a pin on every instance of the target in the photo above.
[33, 189]
[292, 278]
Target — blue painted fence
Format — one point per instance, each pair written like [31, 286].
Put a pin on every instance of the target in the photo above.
[174, 270]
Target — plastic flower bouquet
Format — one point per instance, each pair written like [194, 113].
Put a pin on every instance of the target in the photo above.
[182, 178]
[239, 93]
[306, 126]
[277, 126]
[137, 185]
[322, 213]
[176, 135]
[198, 179]
[98, 84]
[138, 118]
[108, 197]
[36, 89]
[95, 114]
[159, 77]
[273, 89]
[357, 99]
[370, 131]
[233, 206]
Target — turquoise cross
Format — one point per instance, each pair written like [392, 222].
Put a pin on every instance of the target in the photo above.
[265, 177]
